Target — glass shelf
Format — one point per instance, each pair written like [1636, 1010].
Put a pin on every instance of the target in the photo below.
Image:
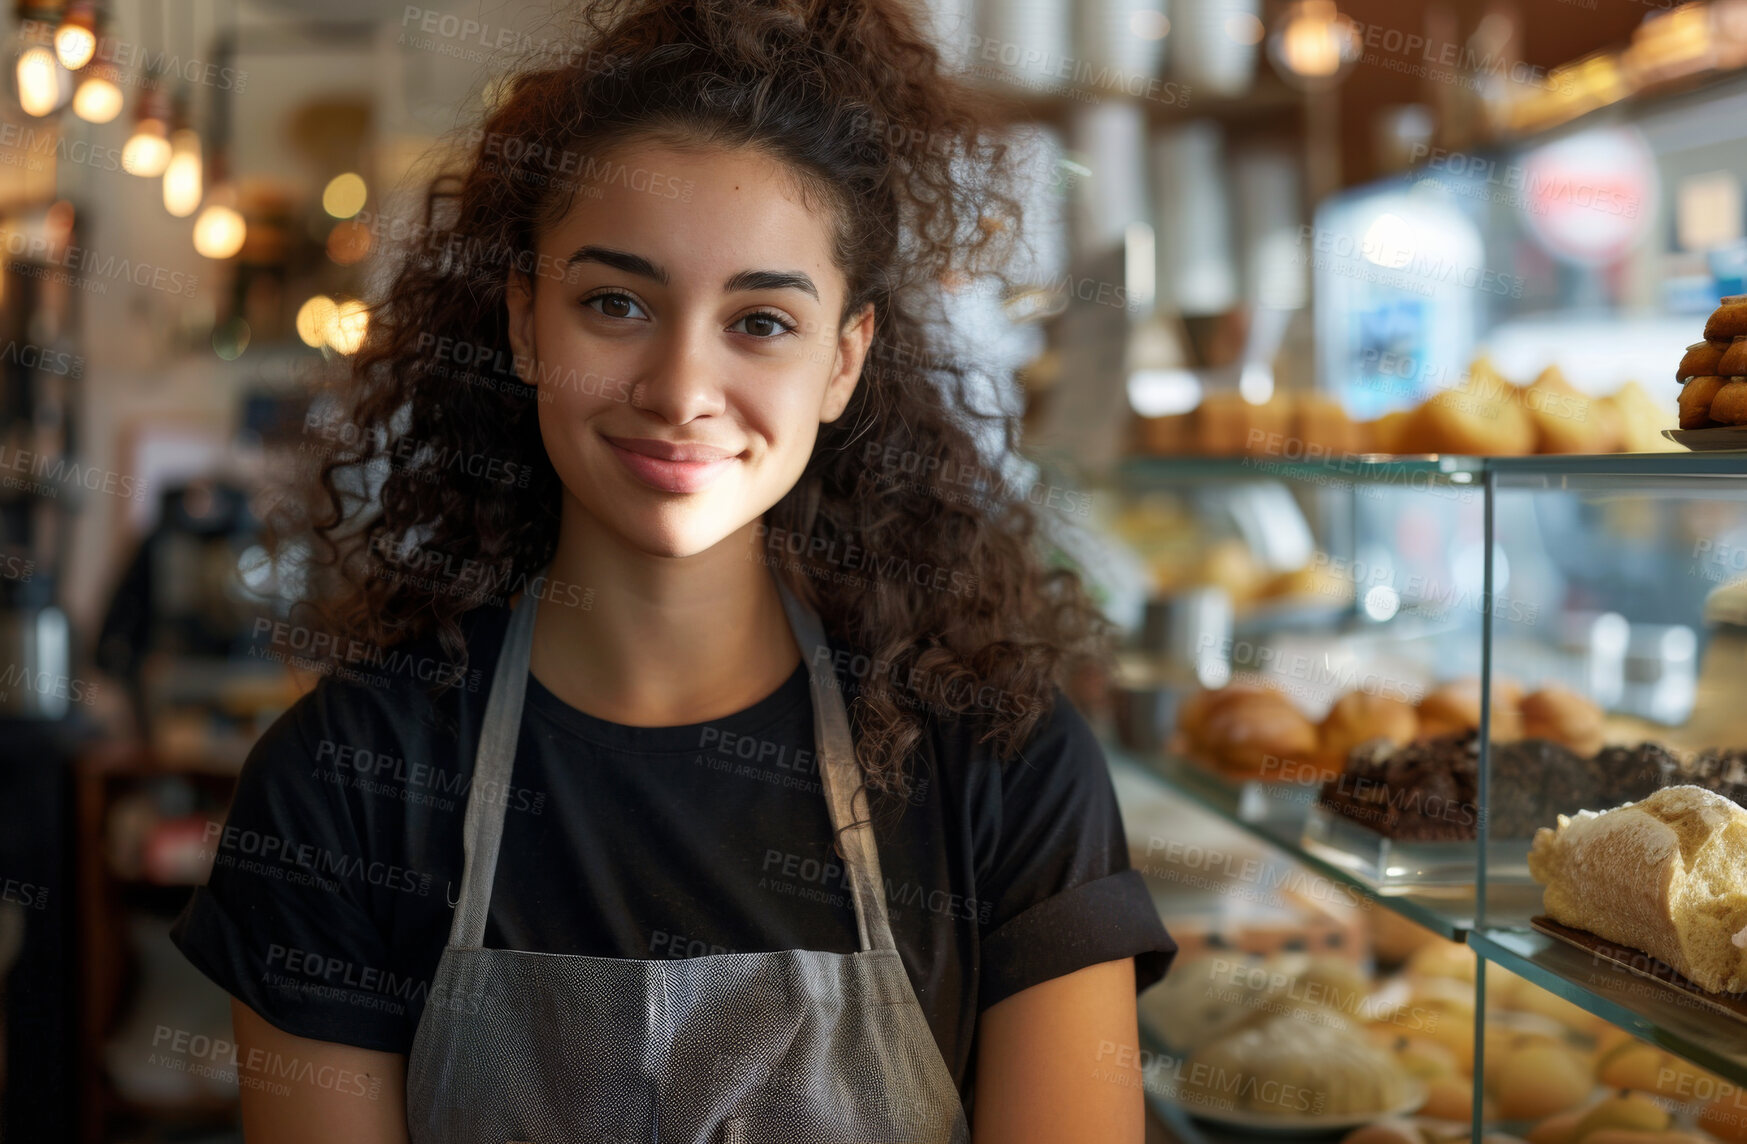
[1448, 912]
[1358, 469]
[1642, 1007]
[1420, 470]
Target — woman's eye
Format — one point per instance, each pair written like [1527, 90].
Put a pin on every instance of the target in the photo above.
[616, 305]
[764, 324]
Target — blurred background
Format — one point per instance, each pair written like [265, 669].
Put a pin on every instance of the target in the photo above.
[1264, 239]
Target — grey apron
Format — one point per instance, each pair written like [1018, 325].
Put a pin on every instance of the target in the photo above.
[790, 1047]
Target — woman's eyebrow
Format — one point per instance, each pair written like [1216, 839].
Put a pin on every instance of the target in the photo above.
[636, 264]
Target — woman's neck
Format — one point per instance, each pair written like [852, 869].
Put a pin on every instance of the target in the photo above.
[663, 641]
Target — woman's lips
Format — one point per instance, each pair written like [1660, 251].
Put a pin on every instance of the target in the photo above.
[671, 476]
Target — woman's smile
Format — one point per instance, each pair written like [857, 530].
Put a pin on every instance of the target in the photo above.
[672, 467]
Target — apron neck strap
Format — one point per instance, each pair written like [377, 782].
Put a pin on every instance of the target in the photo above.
[839, 771]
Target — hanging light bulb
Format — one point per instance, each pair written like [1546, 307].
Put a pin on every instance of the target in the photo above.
[98, 97]
[42, 82]
[1314, 45]
[182, 175]
[220, 230]
[76, 38]
[147, 151]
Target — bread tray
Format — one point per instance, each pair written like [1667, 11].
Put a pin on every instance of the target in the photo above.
[1720, 437]
[1641, 964]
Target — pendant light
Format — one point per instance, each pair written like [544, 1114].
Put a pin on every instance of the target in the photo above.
[182, 176]
[76, 38]
[219, 231]
[41, 83]
[98, 97]
[1314, 45]
[147, 151]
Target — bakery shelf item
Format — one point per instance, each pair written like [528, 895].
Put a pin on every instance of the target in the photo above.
[1429, 791]
[1455, 706]
[1666, 875]
[1309, 1061]
[1702, 359]
[1710, 372]
[1560, 714]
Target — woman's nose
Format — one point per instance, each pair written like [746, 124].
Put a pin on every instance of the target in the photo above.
[684, 377]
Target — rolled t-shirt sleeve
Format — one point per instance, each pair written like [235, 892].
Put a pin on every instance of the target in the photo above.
[285, 924]
[1062, 895]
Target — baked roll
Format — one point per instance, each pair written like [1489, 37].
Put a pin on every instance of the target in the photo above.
[1695, 401]
[1733, 362]
[1358, 717]
[1701, 360]
[1729, 321]
[1729, 406]
[1300, 1061]
[1454, 707]
[1666, 875]
[1560, 714]
[1256, 734]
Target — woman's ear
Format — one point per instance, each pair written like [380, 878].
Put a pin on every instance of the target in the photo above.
[519, 299]
[852, 347]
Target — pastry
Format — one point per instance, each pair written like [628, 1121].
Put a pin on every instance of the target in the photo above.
[1700, 360]
[1254, 734]
[1566, 420]
[1482, 417]
[1311, 582]
[1536, 1079]
[1728, 321]
[1560, 714]
[1388, 432]
[1321, 423]
[1733, 362]
[1207, 996]
[1729, 406]
[1664, 875]
[1358, 717]
[1426, 791]
[1268, 427]
[1722, 771]
[1310, 1063]
[1641, 420]
[1429, 790]
[1164, 436]
[1222, 424]
[1455, 706]
[1192, 714]
[1695, 401]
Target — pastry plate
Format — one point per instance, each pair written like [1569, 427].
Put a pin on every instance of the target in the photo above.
[1643, 965]
[1271, 1124]
[1704, 440]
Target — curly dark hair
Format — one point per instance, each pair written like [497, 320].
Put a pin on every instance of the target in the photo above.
[917, 171]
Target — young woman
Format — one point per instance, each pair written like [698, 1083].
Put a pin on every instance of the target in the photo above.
[699, 768]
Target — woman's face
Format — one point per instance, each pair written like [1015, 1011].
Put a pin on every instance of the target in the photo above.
[681, 328]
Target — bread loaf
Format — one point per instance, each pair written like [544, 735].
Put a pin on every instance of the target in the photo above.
[1666, 875]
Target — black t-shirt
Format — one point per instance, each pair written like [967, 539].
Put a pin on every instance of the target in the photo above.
[335, 873]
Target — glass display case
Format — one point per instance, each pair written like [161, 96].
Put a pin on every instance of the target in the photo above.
[1593, 610]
